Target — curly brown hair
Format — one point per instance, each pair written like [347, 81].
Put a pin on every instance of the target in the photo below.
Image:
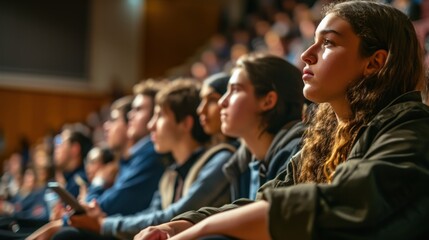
[379, 26]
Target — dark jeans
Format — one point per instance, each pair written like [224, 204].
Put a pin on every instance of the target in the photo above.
[12, 228]
[71, 233]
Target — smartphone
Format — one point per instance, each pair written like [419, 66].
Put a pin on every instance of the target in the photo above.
[66, 197]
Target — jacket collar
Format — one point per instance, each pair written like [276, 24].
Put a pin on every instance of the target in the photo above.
[387, 113]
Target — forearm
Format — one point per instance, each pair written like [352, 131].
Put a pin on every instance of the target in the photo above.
[205, 212]
[46, 231]
[247, 222]
[163, 231]
[177, 227]
[127, 226]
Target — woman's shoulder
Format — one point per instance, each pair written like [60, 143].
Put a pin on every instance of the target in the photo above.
[405, 108]
[403, 126]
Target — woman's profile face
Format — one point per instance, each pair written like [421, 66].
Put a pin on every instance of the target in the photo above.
[209, 110]
[240, 114]
[332, 62]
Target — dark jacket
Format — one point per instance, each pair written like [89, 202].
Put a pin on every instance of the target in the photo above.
[380, 191]
[285, 144]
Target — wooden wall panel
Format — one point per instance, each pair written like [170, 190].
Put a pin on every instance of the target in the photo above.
[174, 31]
[31, 114]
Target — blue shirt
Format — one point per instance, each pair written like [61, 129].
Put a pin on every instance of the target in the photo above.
[32, 206]
[210, 188]
[71, 185]
[137, 180]
[246, 173]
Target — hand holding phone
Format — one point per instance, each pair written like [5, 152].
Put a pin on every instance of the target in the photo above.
[67, 198]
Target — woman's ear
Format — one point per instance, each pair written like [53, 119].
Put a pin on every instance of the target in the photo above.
[269, 101]
[376, 62]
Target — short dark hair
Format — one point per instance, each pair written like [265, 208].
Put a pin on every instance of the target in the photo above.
[85, 143]
[182, 97]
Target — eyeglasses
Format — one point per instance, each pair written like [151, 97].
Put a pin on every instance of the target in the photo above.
[58, 139]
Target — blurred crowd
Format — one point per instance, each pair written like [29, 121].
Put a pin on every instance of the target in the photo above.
[86, 158]
[284, 28]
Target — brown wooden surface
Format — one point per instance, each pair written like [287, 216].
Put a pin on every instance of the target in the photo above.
[31, 114]
[172, 32]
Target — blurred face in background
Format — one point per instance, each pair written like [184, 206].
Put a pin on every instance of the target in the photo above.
[139, 116]
[63, 150]
[29, 180]
[209, 110]
[165, 131]
[116, 130]
[42, 175]
[41, 158]
[93, 163]
[15, 164]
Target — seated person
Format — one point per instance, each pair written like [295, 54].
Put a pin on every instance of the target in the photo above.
[209, 110]
[29, 202]
[140, 167]
[195, 179]
[27, 210]
[364, 167]
[11, 178]
[263, 107]
[97, 161]
[71, 147]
